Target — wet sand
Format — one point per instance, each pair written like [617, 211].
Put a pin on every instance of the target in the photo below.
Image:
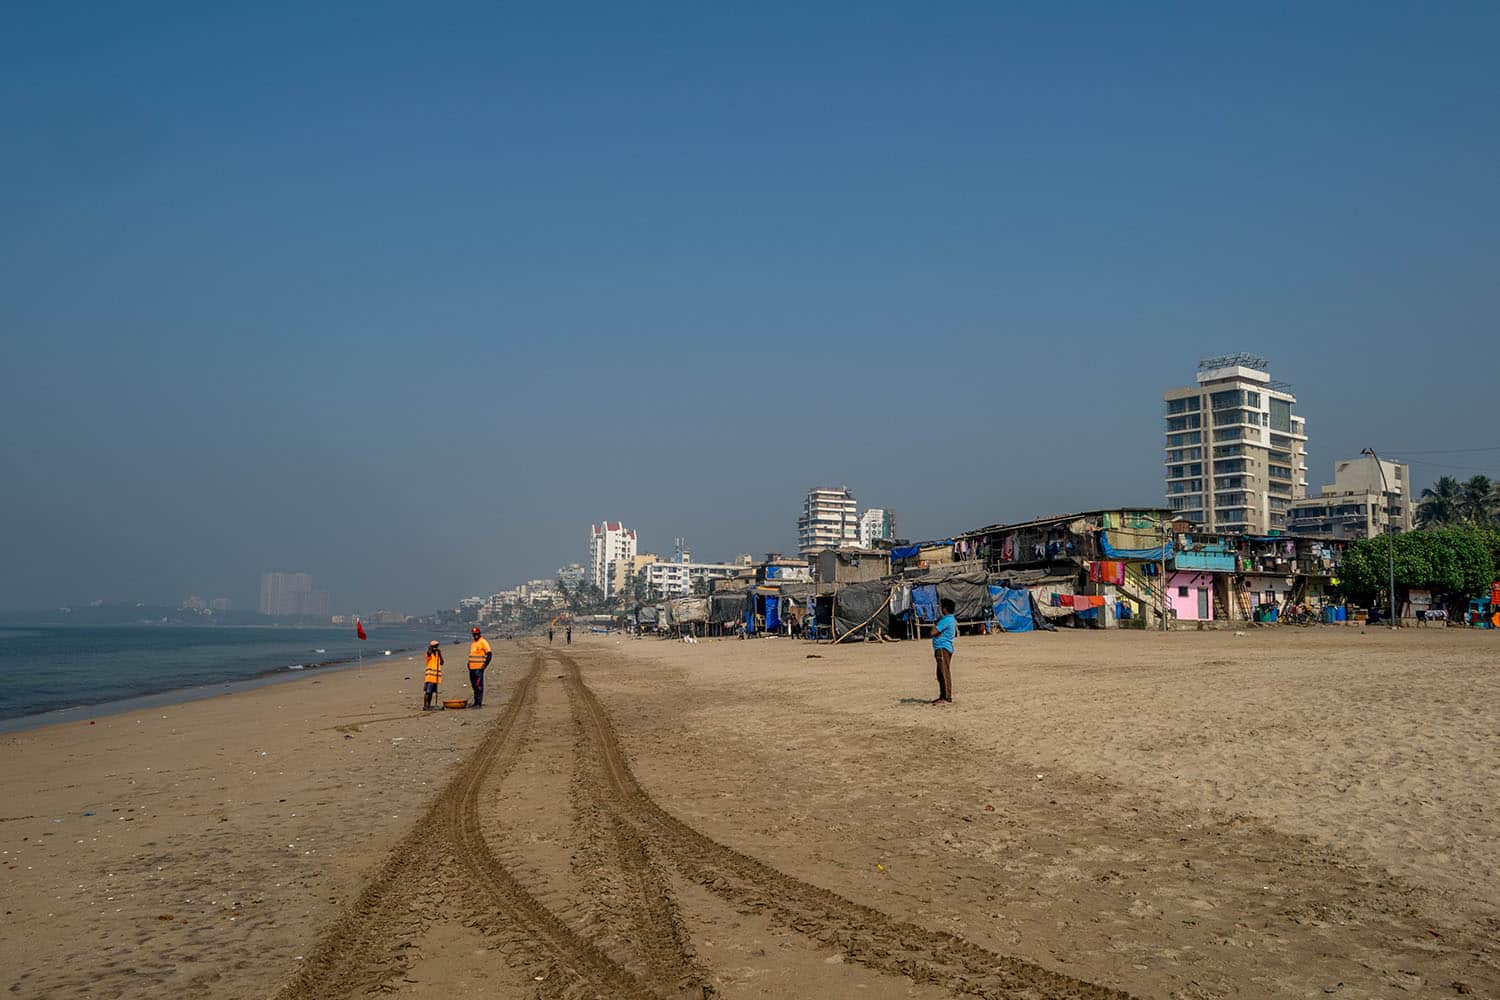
[1299, 812]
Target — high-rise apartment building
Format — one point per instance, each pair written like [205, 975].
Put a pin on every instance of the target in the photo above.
[1367, 497]
[830, 520]
[876, 524]
[286, 594]
[611, 556]
[1236, 453]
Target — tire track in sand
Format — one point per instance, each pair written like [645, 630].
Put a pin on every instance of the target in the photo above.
[365, 947]
[865, 935]
[627, 883]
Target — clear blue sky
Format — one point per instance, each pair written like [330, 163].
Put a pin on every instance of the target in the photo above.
[406, 295]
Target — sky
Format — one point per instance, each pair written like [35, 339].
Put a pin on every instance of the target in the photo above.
[406, 296]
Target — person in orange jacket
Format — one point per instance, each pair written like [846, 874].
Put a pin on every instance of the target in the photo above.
[434, 675]
[479, 658]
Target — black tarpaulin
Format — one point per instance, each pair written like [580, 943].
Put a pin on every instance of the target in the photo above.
[970, 593]
[854, 604]
[726, 608]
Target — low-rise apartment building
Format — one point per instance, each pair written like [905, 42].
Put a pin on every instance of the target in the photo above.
[1367, 497]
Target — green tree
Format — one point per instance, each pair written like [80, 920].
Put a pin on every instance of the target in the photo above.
[1477, 500]
[1458, 561]
[1441, 503]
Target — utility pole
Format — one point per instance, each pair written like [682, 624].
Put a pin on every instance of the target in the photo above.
[1390, 540]
[1162, 580]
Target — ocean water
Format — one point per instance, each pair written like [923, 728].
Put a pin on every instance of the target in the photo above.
[46, 668]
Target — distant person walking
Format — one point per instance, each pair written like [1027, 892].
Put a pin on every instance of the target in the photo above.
[943, 632]
[570, 635]
[549, 635]
[434, 675]
[479, 658]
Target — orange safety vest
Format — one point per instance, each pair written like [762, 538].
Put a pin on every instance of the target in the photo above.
[434, 667]
[477, 649]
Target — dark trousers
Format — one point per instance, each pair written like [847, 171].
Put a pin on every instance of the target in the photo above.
[944, 673]
[476, 681]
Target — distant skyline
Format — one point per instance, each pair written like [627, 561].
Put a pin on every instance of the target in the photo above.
[408, 300]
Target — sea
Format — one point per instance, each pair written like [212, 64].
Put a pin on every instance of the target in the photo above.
[53, 673]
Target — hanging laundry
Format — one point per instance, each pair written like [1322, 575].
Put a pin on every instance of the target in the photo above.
[1066, 600]
[1107, 571]
[1057, 600]
[1096, 602]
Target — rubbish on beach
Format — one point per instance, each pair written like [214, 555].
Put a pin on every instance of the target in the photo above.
[1241, 635]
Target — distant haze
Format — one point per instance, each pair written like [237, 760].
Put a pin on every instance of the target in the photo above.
[406, 300]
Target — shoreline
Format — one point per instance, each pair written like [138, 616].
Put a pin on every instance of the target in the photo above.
[196, 692]
[199, 848]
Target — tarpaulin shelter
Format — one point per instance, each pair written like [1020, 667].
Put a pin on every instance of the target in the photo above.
[967, 588]
[726, 608]
[1012, 608]
[924, 602]
[859, 606]
[646, 616]
[686, 610]
[969, 593]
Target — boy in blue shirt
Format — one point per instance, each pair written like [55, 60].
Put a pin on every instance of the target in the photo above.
[943, 632]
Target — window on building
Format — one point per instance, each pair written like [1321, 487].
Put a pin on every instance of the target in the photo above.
[1184, 423]
[1226, 399]
[1191, 404]
[1178, 440]
[1281, 415]
[1182, 592]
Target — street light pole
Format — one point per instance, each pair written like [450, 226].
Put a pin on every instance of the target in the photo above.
[1390, 540]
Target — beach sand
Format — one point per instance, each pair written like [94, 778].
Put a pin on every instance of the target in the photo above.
[1292, 813]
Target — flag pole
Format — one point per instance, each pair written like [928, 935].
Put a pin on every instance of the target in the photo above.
[359, 651]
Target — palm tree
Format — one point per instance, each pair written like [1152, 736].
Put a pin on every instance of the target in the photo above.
[1478, 500]
[1442, 503]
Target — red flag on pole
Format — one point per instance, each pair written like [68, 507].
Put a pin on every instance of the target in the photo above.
[359, 628]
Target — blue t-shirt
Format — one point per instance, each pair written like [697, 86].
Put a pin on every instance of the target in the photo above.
[943, 632]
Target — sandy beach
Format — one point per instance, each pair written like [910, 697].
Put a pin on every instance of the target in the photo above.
[1291, 813]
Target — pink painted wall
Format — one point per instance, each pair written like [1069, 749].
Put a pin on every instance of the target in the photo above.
[1187, 606]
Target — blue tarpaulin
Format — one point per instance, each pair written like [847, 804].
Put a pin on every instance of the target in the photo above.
[905, 551]
[924, 601]
[1012, 609]
[1149, 555]
[773, 614]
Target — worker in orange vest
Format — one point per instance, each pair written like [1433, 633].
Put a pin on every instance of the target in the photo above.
[434, 675]
[479, 658]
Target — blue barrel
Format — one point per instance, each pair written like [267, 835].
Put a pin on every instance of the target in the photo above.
[1341, 613]
[1330, 615]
